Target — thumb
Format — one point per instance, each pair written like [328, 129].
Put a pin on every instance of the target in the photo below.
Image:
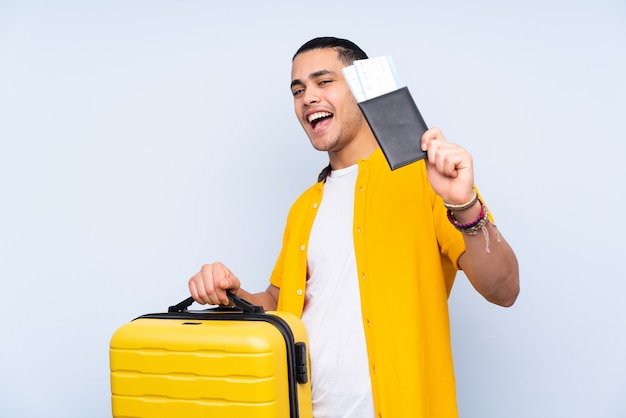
[229, 282]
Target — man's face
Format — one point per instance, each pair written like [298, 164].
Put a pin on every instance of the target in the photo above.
[323, 102]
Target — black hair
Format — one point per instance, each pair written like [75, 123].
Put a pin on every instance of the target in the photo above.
[348, 51]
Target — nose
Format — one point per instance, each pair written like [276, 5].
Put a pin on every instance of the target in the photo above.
[310, 97]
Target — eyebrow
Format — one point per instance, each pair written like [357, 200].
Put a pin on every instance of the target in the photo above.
[312, 76]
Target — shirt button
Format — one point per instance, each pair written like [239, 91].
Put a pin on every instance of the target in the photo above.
[299, 292]
[358, 230]
[314, 205]
[302, 248]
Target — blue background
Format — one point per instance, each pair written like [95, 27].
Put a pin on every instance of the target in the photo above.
[140, 139]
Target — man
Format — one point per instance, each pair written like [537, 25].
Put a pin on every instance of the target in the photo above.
[369, 255]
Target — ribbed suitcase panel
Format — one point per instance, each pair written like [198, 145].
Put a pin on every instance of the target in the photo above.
[171, 368]
[134, 407]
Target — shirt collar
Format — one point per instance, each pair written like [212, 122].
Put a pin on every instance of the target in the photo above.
[376, 155]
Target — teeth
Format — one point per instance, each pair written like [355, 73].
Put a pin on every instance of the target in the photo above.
[318, 115]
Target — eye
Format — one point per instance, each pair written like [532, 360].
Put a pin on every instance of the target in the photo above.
[297, 92]
[321, 83]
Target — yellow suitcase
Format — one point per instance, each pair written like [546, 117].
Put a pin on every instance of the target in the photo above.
[236, 362]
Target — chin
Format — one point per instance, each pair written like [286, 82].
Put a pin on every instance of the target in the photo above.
[323, 146]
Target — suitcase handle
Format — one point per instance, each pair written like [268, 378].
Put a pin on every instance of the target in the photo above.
[243, 304]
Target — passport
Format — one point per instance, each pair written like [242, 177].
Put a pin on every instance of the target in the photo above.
[389, 109]
[397, 125]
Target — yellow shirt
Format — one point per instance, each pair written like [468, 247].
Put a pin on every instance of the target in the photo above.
[407, 253]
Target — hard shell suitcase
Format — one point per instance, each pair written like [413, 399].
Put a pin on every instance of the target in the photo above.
[219, 362]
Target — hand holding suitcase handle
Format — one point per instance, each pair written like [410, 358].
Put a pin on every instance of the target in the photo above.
[239, 302]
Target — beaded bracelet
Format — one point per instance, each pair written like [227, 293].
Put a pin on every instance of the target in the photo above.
[463, 206]
[473, 227]
[478, 224]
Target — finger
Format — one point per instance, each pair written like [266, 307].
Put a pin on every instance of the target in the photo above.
[222, 278]
[432, 134]
[199, 283]
[448, 158]
[448, 163]
[215, 284]
[210, 274]
[194, 291]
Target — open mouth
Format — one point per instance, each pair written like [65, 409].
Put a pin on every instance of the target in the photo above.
[316, 118]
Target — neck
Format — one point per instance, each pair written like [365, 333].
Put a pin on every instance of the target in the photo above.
[358, 149]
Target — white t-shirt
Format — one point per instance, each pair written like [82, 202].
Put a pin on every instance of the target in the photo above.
[332, 312]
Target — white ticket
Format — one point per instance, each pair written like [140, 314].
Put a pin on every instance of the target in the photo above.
[372, 77]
